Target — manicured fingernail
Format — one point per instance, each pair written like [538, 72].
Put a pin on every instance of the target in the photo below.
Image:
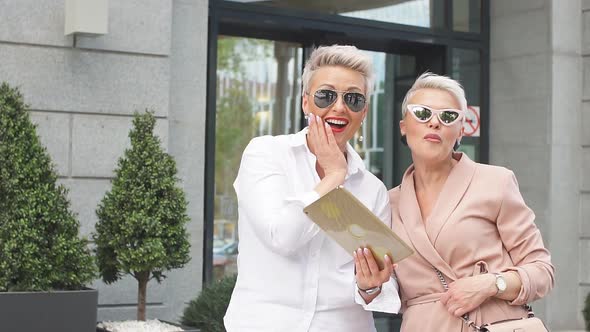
[386, 257]
[359, 251]
[366, 250]
[311, 118]
[326, 125]
[354, 253]
[318, 118]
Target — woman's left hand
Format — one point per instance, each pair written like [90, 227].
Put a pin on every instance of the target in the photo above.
[368, 274]
[466, 294]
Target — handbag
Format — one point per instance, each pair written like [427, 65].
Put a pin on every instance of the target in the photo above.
[529, 324]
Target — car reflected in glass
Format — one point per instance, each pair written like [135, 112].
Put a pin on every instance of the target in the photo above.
[225, 256]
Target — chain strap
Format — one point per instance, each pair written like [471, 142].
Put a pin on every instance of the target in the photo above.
[441, 278]
[465, 317]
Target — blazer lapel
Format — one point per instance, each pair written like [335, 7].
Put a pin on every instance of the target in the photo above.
[411, 218]
[453, 190]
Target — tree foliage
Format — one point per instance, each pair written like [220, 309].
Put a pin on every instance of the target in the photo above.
[39, 244]
[141, 220]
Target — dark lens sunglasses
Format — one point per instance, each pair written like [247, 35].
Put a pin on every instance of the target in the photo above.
[354, 101]
[424, 113]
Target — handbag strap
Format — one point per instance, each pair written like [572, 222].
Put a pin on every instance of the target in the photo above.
[465, 317]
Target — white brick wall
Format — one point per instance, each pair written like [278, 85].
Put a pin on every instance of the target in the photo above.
[135, 26]
[38, 22]
[72, 80]
[54, 131]
[98, 142]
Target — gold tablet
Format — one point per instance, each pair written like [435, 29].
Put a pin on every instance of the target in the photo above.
[352, 225]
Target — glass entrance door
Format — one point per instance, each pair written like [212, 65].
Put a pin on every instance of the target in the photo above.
[259, 93]
[257, 52]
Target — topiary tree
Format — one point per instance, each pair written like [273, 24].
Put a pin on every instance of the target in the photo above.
[141, 220]
[39, 245]
[207, 310]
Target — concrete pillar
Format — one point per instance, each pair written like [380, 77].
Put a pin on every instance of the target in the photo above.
[188, 87]
[535, 107]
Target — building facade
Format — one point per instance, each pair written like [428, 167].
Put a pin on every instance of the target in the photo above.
[220, 72]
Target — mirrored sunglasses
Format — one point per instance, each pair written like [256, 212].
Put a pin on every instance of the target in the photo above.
[354, 101]
[424, 114]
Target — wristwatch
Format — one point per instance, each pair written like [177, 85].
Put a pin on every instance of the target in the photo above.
[371, 291]
[500, 283]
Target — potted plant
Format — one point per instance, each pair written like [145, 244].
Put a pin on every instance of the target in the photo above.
[207, 310]
[44, 264]
[141, 221]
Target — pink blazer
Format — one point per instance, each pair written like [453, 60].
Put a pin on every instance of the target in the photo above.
[479, 224]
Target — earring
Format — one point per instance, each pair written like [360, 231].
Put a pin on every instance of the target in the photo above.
[456, 146]
[361, 138]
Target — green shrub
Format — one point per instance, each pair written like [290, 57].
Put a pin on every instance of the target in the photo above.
[141, 220]
[39, 244]
[207, 310]
[586, 312]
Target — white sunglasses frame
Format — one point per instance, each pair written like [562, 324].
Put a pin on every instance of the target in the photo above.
[436, 112]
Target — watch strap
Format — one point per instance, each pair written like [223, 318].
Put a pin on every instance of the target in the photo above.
[370, 291]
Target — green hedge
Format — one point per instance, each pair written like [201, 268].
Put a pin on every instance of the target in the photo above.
[207, 310]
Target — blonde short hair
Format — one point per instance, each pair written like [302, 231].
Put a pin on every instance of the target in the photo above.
[429, 80]
[339, 55]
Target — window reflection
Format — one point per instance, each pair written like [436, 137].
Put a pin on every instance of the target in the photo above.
[257, 94]
[467, 15]
[416, 12]
[372, 147]
[422, 13]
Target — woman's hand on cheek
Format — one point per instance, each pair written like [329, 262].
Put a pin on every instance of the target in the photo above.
[323, 143]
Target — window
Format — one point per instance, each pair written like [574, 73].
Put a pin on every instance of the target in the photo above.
[258, 93]
[467, 15]
[466, 69]
[422, 13]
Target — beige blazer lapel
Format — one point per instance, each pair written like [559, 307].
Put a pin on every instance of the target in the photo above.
[453, 190]
[411, 218]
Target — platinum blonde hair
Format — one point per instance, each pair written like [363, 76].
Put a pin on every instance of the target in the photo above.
[339, 55]
[429, 80]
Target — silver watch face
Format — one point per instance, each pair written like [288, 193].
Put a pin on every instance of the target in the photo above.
[500, 283]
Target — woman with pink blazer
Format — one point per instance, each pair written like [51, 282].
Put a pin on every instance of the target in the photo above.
[467, 223]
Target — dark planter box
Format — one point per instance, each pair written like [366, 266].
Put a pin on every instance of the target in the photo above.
[49, 311]
[184, 328]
